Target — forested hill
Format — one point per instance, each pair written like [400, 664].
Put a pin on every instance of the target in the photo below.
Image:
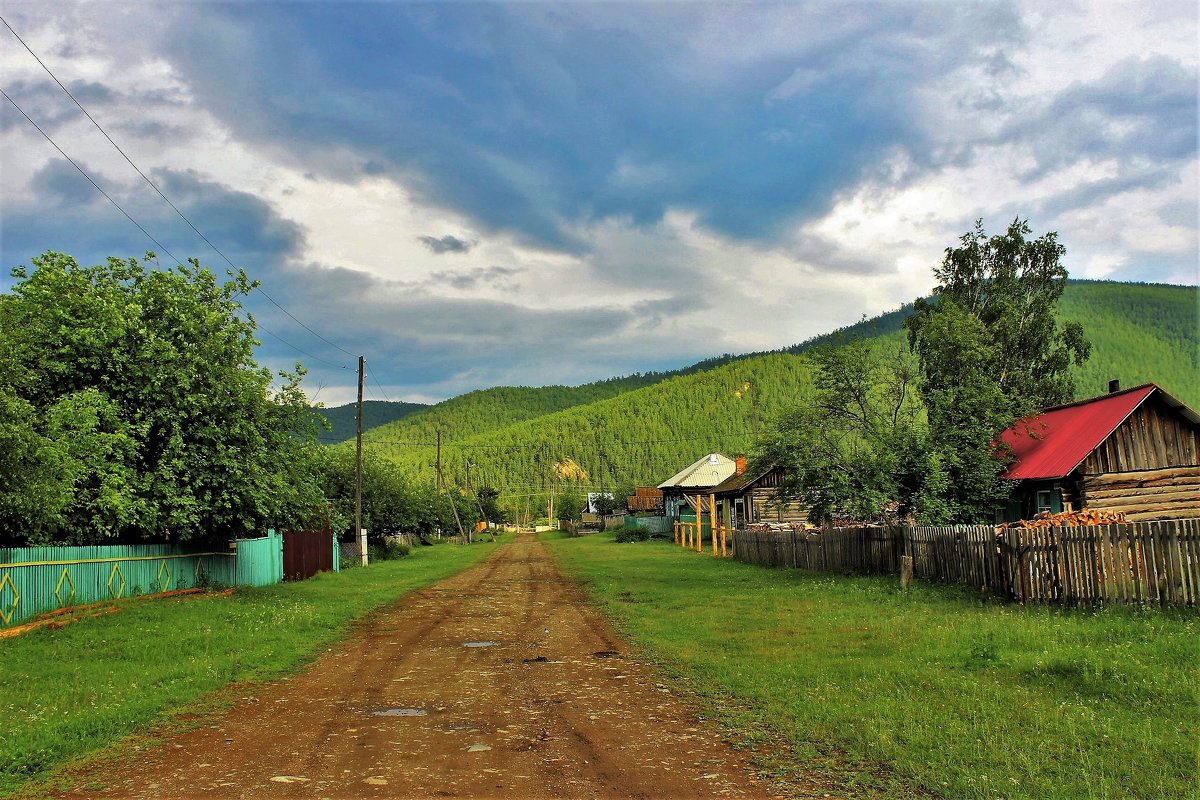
[375, 413]
[641, 429]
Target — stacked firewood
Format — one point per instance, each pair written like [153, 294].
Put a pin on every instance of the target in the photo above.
[1068, 519]
[778, 527]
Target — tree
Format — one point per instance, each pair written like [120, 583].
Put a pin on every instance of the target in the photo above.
[489, 501]
[859, 444]
[991, 352]
[570, 503]
[151, 419]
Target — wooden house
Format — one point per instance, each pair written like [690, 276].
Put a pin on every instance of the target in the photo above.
[1135, 451]
[688, 487]
[750, 497]
[646, 498]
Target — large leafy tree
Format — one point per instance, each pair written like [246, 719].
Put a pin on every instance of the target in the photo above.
[140, 412]
[991, 351]
[859, 443]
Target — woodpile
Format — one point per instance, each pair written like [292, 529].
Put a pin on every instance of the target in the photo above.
[1067, 519]
[780, 527]
[1171, 493]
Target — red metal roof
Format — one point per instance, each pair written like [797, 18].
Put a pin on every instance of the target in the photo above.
[1066, 435]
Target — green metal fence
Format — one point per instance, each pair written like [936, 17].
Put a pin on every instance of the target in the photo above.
[652, 525]
[34, 580]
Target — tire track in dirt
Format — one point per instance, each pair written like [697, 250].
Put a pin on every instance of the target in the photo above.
[405, 708]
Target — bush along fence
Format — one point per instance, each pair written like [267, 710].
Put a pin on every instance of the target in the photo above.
[35, 580]
[1141, 563]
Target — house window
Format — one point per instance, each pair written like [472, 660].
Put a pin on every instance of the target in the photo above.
[1044, 501]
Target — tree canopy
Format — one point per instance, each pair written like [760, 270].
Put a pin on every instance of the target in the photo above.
[988, 351]
[135, 409]
[991, 351]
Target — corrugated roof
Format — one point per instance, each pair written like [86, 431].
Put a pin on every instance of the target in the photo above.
[1067, 434]
[736, 483]
[707, 471]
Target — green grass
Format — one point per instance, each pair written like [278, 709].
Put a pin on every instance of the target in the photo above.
[948, 691]
[71, 692]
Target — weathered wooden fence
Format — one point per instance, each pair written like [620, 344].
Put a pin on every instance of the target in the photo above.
[1143, 563]
[34, 580]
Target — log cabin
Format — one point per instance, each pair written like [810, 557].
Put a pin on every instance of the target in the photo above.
[750, 497]
[1135, 451]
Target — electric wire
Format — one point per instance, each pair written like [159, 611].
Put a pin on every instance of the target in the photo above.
[107, 197]
[158, 191]
[377, 383]
[157, 243]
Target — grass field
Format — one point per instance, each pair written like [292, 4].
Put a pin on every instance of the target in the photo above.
[937, 690]
[65, 693]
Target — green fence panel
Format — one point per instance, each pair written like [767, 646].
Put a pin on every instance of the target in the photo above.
[260, 561]
[35, 580]
[649, 524]
[705, 527]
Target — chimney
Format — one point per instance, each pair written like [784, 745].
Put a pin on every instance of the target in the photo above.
[1114, 385]
[739, 465]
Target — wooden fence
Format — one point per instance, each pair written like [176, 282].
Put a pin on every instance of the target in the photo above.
[1143, 563]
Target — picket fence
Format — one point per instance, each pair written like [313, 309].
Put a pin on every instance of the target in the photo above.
[1141, 563]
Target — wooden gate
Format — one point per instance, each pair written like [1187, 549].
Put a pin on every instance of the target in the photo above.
[305, 553]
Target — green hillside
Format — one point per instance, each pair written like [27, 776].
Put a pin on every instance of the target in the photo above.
[375, 413]
[639, 430]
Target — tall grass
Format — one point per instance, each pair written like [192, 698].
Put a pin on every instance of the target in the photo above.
[72, 691]
[953, 693]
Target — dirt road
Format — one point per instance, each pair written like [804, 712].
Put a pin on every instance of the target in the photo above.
[499, 681]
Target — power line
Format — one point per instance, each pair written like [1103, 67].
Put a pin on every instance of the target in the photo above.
[147, 233]
[159, 244]
[153, 186]
[377, 383]
[259, 326]
[538, 446]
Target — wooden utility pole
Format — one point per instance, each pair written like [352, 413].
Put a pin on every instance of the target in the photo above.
[438, 481]
[358, 528]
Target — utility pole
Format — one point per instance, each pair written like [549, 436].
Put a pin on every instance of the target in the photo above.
[438, 483]
[358, 528]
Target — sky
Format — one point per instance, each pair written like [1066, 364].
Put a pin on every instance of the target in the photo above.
[471, 195]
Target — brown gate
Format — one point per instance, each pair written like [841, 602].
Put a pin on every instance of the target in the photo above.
[305, 553]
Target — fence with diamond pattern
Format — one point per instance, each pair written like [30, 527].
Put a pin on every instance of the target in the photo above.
[34, 580]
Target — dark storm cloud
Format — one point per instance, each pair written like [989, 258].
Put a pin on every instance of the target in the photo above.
[496, 276]
[59, 184]
[446, 244]
[68, 215]
[525, 117]
[1140, 109]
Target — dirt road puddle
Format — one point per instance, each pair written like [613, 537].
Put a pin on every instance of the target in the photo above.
[480, 644]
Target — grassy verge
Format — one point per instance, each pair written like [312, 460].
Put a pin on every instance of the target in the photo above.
[69, 692]
[951, 692]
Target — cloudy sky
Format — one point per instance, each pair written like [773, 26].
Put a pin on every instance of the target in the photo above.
[525, 193]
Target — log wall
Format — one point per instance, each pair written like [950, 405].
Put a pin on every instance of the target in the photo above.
[1172, 493]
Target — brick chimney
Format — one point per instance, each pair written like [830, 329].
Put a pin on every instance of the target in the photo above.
[739, 465]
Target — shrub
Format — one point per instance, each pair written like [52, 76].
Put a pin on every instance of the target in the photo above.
[387, 551]
[632, 535]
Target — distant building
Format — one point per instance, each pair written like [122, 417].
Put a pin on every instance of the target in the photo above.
[646, 498]
[1135, 451]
